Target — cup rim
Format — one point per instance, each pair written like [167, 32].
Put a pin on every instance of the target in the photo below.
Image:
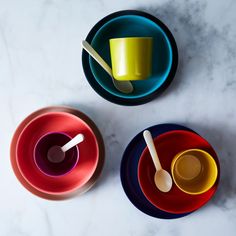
[209, 156]
[131, 38]
[43, 136]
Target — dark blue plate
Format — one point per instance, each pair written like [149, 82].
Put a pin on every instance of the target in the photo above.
[128, 171]
[124, 24]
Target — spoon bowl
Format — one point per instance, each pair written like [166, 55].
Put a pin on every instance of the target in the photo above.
[163, 180]
[56, 154]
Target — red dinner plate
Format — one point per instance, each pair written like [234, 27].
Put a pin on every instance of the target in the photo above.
[57, 122]
[167, 146]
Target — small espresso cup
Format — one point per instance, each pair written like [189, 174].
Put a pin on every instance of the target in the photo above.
[55, 167]
[131, 58]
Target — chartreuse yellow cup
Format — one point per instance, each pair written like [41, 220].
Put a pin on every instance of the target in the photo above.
[194, 171]
[131, 58]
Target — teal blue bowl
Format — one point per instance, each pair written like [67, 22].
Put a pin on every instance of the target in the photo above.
[133, 26]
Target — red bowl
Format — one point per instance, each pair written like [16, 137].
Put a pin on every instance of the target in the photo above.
[167, 146]
[57, 122]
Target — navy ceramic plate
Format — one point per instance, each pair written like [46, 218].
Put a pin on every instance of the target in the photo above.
[128, 172]
[131, 24]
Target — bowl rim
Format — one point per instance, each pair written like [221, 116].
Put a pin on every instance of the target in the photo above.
[132, 101]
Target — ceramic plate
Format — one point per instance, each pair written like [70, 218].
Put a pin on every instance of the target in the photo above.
[95, 175]
[57, 122]
[168, 145]
[128, 172]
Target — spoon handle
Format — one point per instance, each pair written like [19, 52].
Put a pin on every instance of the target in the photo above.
[151, 147]
[87, 47]
[73, 142]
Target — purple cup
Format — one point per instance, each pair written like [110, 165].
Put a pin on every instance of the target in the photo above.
[45, 165]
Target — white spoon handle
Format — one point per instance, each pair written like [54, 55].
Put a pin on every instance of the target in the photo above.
[149, 141]
[96, 57]
[73, 142]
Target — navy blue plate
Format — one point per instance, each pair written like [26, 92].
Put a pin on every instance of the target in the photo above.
[120, 24]
[128, 172]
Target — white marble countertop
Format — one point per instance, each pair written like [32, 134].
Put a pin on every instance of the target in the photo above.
[40, 65]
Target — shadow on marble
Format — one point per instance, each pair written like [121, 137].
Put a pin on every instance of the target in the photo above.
[113, 148]
[223, 141]
[196, 40]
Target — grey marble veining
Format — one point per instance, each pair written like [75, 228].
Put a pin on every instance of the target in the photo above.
[40, 65]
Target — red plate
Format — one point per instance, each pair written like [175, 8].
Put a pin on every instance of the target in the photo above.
[58, 122]
[168, 145]
[21, 127]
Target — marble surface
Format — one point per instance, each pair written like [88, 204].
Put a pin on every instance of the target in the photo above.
[40, 65]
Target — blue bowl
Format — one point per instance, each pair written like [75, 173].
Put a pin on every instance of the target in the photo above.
[131, 24]
[129, 176]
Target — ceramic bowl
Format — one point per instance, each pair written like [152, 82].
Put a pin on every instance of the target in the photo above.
[57, 165]
[194, 171]
[129, 175]
[52, 195]
[132, 24]
[168, 145]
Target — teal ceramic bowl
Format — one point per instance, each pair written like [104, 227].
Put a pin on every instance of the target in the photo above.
[133, 26]
[131, 23]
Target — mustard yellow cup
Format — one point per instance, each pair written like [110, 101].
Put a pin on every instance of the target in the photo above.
[131, 58]
[194, 171]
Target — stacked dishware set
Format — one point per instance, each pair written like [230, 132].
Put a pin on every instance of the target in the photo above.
[195, 180]
[57, 177]
[134, 43]
[167, 170]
